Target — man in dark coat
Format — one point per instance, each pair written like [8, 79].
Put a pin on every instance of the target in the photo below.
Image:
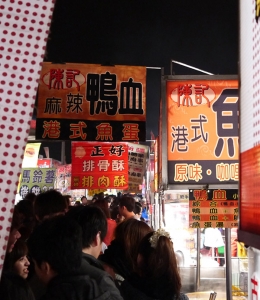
[93, 223]
[56, 249]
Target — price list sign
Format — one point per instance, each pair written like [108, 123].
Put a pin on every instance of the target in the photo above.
[213, 208]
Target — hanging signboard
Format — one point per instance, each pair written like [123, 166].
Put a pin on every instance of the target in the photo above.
[30, 156]
[63, 179]
[99, 165]
[202, 131]
[36, 180]
[81, 102]
[213, 208]
[137, 156]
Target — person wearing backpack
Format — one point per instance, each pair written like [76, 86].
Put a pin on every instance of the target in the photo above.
[56, 250]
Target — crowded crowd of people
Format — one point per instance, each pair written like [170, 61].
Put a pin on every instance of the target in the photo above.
[101, 248]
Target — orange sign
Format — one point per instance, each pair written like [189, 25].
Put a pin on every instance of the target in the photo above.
[202, 131]
[99, 165]
[213, 208]
[91, 103]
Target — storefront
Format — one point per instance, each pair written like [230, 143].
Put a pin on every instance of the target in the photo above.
[198, 181]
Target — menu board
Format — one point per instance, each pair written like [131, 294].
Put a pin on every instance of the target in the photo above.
[213, 208]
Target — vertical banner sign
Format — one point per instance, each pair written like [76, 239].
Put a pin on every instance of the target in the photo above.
[213, 208]
[202, 131]
[23, 33]
[63, 179]
[137, 157]
[99, 165]
[36, 180]
[80, 102]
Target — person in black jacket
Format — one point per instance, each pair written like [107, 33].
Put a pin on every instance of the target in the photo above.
[93, 223]
[55, 247]
[13, 286]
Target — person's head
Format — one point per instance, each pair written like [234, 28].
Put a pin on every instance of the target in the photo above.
[25, 208]
[93, 223]
[26, 213]
[84, 200]
[128, 234]
[138, 209]
[77, 203]
[126, 206]
[14, 230]
[101, 195]
[67, 199]
[115, 215]
[102, 204]
[30, 197]
[143, 202]
[55, 247]
[49, 204]
[17, 260]
[156, 259]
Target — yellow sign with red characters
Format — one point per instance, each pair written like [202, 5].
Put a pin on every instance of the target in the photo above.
[81, 102]
[202, 131]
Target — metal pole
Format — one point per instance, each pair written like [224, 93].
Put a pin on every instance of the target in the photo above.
[198, 261]
[228, 264]
[156, 211]
[63, 153]
[189, 66]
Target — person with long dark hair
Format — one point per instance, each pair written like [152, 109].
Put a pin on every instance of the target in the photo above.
[120, 256]
[156, 275]
[13, 284]
[17, 260]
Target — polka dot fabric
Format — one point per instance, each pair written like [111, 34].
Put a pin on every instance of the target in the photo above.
[24, 26]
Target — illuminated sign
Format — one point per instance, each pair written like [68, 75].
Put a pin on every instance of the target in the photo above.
[36, 180]
[81, 102]
[202, 131]
[137, 156]
[99, 165]
[213, 208]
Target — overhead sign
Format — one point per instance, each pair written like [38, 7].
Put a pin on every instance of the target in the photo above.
[81, 102]
[30, 156]
[137, 156]
[99, 165]
[63, 179]
[36, 180]
[202, 131]
[213, 208]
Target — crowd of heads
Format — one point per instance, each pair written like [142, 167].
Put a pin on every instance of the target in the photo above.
[55, 234]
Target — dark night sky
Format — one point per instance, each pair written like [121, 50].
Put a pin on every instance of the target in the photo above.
[202, 33]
